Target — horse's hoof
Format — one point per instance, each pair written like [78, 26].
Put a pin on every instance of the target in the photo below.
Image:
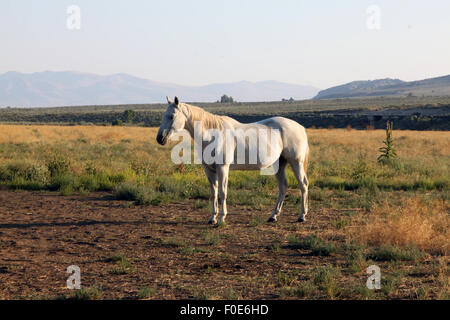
[212, 222]
[271, 219]
[301, 220]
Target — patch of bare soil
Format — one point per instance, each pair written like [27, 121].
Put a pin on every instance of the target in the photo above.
[169, 249]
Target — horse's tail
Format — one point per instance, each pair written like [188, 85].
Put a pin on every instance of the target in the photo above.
[305, 163]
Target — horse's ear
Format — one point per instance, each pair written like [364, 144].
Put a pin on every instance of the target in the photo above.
[168, 100]
[177, 102]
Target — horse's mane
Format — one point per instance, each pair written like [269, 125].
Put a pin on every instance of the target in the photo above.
[208, 120]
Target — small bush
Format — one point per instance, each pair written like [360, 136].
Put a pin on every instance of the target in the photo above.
[61, 181]
[129, 115]
[38, 173]
[141, 195]
[58, 165]
[117, 122]
[4, 173]
[127, 191]
[388, 153]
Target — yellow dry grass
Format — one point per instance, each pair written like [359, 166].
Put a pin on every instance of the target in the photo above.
[90, 134]
[414, 222]
[407, 142]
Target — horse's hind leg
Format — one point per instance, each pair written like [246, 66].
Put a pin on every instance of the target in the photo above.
[222, 175]
[300, 174]
[282, 188]
[214, 186]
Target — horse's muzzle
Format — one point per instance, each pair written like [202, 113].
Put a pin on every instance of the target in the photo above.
[161, 137]
[161, 140]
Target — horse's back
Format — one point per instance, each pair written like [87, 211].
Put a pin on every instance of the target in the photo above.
[291, 142]
[293, 136]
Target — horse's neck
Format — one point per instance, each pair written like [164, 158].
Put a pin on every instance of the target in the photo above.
[189, 126]
[193, 125]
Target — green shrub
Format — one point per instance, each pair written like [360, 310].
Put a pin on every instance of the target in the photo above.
[141, 195]
[38, 173]
[58, 165]
[127, 191]
[117, 122]
[5, 174]
[388, 153]
[129, 115]
[21, 183]
[62, 181]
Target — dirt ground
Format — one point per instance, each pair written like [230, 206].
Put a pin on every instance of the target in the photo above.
[172, 250]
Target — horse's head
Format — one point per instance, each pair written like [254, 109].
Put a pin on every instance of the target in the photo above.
[173, 120]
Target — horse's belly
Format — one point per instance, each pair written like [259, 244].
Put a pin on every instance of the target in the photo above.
[236, 166]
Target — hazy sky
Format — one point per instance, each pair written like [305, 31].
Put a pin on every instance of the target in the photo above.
[322, 43]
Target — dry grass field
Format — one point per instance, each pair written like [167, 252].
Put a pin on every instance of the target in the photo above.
[110, 200]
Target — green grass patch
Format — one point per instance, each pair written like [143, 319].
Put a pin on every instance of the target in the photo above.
[124, 265]
[306, 289]
[325, 280]
[146, 292]
[89, 293]
[393, 253]
[211, 238]
[317, 246]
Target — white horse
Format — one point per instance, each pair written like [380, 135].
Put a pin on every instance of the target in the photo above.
[289, 146]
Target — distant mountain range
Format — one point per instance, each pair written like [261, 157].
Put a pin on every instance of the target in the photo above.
[439, 86]
[69, 88]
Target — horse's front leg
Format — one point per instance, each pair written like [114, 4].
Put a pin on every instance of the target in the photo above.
[214, 187]
[222, 174]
